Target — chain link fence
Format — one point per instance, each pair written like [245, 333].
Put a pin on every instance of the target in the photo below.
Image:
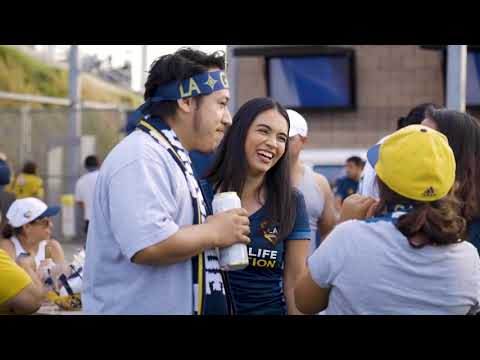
[41, 136]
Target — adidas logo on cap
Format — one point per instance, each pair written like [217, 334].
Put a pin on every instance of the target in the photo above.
[429, 192]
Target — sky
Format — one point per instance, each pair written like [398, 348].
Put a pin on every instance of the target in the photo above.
[121, 53]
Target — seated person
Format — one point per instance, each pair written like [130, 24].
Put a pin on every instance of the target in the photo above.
[28, 231]
[21, 291]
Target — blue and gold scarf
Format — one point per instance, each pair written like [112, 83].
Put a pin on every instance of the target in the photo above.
[210, 286]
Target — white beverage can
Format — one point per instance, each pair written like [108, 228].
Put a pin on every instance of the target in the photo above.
[234, 257]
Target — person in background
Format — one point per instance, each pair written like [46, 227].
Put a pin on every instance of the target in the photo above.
[314, 187]
[463, 133]
[28, 183]
[407, 257]
[21, 290]
[367, 185]
[348, 185]
[28, 231]
[5, 173]
[253, 161]
[85, 188]
[6, 198]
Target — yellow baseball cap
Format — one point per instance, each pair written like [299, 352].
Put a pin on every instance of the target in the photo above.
[415, 162]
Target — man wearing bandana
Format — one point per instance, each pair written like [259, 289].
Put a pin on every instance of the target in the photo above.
[151, 249]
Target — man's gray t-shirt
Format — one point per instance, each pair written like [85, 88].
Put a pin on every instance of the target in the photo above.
[372, 269]
[141, 199]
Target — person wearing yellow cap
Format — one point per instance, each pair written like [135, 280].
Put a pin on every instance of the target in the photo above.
[367, 185]
[407, 257]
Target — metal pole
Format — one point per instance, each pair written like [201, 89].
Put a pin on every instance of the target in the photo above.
[232, 75]
[144, 66]
[51, 52]
[24, 114]
[27, 132]
[75, 120]
[456, 77]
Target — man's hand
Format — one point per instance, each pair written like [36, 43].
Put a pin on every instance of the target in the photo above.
[230, 227]
[357, 207]
[220, 230]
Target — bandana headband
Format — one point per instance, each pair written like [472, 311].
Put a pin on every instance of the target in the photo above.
[201, 84]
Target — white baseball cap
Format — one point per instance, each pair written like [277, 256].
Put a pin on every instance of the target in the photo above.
[24, 211]
[298, 124]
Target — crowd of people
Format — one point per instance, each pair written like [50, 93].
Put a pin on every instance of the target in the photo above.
[397, 235]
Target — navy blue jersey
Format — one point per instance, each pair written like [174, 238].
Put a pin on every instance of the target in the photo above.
[201, 162]
[4, 173]
[258, 289]
[344, 187]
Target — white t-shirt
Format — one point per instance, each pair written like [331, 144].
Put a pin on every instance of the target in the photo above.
[367, 185]
[84, 191]
[372, 269]
[141, 199]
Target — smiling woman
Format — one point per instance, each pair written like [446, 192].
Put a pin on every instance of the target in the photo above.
[252, 161]
[266, 142]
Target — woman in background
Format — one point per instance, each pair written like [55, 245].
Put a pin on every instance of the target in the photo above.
[463, 133]
[29, 231]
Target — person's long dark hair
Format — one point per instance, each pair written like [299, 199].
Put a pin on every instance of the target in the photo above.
[229, 169]
[8, 231]
[463, 133]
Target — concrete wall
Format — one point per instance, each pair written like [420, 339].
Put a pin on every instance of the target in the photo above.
[390, 80]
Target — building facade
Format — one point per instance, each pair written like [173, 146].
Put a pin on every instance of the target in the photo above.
[389, 81]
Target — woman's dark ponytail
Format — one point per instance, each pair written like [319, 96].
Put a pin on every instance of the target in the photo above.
[428, 223]
[8, 231]
[439, 222]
